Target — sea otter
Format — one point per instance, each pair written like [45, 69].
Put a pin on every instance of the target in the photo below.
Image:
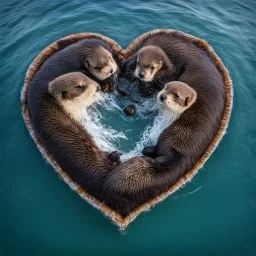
[197, 100]
[93, 56]
[161, 58]
[55, 118]
[140, 179]
[180, 145]
[150, 67]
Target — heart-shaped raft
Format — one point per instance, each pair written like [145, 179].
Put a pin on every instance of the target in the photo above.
[123, 220]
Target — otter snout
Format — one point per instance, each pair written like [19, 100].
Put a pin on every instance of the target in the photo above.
[144, 74]
[141, 75]
[162, 97]
[97, 88]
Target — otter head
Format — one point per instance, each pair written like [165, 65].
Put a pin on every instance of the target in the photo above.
[177, 96]
[100, 62]
[74, 92]
[150, 60]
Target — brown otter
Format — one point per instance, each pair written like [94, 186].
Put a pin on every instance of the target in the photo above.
[180, 145]
[54, 119]
[151, 67]
[178, 97]
[142, 178]
[159, 59]
[74, 92]
[93, 56]
[152, 62]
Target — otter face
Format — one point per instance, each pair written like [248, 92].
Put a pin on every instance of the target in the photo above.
[177, 96]
[100, 63]
[74, 91]
[149, 61]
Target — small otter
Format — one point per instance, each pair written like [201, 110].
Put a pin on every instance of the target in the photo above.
[181, 144]
[93, 56]
[178, 97]
[74, 92]
[161, 58]
[151, 66]
[98, 58]
[54, 120]
[152, 61]
[142, 178]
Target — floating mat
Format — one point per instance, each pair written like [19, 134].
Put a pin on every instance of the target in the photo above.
[113, 215]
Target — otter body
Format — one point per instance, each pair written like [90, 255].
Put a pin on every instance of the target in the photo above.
[139, 179]
[55, 121]
[92, 56]
[161, 58]
[180, 145]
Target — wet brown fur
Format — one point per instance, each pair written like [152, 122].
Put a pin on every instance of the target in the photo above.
[180, 145]
[63, 137]
[72, 58]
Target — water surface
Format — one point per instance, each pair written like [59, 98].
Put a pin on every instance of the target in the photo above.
[214, 214]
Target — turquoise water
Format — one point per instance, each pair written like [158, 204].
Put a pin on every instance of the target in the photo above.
[214, 214]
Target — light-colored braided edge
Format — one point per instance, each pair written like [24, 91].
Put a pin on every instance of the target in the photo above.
[113, 215]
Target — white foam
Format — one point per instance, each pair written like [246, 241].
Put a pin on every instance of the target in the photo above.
[152, 132]
[108, 139]
[104, 136]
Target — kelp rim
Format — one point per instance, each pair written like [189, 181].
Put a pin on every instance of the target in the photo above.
[112, 214]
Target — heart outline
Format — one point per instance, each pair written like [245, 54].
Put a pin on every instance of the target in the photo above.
[121, 222]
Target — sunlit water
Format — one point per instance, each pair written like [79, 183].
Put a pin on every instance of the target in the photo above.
[213, 215]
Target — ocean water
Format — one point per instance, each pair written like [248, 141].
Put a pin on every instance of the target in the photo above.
[112, 130]
[213, 215]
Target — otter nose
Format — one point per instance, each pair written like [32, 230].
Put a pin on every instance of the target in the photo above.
[162, 97]
[111, 71]
[141, 75]
[97, 88]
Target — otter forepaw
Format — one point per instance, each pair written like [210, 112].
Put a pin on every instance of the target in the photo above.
[115, 156]
[163, 161]
[149, 151]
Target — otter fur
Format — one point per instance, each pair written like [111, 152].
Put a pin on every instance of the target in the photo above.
[183, 142]
[92, 56]
[55, 119]
[140, 179]
[159, 59]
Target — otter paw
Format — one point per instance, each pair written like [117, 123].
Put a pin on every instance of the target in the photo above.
[115, 156]
[149, 151]
[163, 161]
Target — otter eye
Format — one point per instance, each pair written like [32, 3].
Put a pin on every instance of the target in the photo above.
[151, 67]
[175, 95]
[78, 87]
[97, 68]
[109, 57]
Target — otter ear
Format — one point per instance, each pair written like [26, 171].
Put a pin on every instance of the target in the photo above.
[160, 63]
